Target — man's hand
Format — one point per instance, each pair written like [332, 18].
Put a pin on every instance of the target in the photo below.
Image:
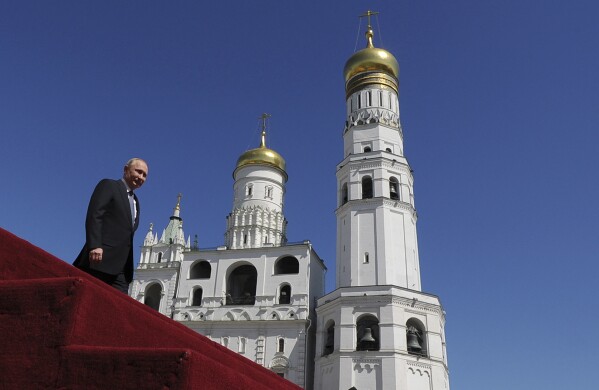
[95, 255]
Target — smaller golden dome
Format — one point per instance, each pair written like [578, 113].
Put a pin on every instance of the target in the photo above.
[262, 156]
[371, 59]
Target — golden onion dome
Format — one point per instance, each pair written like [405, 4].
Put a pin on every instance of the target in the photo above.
[262, 156]
[371, 59]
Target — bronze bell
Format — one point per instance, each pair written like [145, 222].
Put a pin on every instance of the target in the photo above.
[412, 338]
[367, 336]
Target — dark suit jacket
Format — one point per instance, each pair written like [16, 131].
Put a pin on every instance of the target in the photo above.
[109, 226]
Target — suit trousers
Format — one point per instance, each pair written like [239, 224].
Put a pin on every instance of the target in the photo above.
[117, 281]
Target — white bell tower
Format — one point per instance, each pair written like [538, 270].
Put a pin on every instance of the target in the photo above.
[257, 218]
[376, 218]
[377, 330]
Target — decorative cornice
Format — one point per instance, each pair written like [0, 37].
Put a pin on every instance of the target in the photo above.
[383, 300]
[366, 360]
[170, 264]
[372, 162]
[254, 208]
[419, 365]
[371, 115]
[396, 204]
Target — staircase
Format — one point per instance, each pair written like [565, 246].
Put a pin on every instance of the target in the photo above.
[62, 329]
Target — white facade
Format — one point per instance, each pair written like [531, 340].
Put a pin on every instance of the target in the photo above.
[264, 297]
[256, 294]
[377, 330]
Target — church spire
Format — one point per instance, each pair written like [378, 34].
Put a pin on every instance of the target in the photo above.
[177, 209]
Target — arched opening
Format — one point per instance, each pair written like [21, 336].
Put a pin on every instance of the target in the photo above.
[153, 295]
[285, 295]
[242, 343]
[241, 286]
[281, 345]
[393, 188]
[197, 297]
[367, 332]
[367, 149]
[287, 265]
[159, 257]
[329, 342]
[416, 337]
[366, 187]
[344, 194]
[200, 270]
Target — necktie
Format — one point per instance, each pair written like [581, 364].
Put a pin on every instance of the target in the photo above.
[132, 206]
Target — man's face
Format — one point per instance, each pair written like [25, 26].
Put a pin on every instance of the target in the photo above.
[135, 174]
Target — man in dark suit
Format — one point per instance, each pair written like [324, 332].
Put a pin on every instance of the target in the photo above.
[112, 218]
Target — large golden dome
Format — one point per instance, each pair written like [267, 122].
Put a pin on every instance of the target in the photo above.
[371, 59]
[262, 156]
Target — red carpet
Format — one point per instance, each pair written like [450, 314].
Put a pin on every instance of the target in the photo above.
[62, 329]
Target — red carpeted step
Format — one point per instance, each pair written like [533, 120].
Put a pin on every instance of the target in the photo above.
[142, 368]
[39, 315]
[32, 327]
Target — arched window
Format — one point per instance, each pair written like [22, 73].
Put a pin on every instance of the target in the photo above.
[329, 342]
[366, 187]
[281, 345]
[197, 297]
[285, 295]
[344, 194]
[200, 270]
[159, 257]
[241, 286]
[367, 333]
[153, 295]
[416, 337]
[388, 150]
[367, 149]
[393, 188]
[287, 265]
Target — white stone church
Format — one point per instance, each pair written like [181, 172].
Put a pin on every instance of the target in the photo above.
[264, 297]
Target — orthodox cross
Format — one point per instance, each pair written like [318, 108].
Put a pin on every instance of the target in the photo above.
[368, 14]
[264, 117]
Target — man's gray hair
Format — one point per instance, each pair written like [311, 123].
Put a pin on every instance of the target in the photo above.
[134, 159]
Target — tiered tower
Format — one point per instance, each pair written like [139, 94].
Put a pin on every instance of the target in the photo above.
[256, 294]
[257, 217]
[377, 330]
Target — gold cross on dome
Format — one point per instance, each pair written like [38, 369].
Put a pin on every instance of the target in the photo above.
[368, 14]
[264, 117]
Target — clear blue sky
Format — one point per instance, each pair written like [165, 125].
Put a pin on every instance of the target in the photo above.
[500, 110]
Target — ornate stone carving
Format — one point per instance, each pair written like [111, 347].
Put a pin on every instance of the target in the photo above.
[372, 115]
